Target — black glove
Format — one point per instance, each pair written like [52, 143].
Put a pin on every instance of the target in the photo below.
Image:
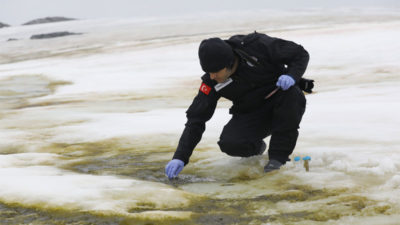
[306, 85]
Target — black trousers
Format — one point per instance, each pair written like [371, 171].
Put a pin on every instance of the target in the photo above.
[279, 117]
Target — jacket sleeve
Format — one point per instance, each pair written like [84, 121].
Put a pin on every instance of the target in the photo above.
[200, 111]
[294, 56]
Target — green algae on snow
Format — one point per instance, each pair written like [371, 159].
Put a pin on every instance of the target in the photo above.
[285, 201]
[14, 214]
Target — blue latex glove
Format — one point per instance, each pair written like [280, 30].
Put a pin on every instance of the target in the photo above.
[173, 168]
[285, 82]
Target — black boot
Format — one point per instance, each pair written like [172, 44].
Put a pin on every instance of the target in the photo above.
[272, 165]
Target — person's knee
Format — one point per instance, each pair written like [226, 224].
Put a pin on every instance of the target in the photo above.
[229, 147]
[237, 148]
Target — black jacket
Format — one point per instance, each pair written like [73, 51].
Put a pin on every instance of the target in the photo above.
[252, 81]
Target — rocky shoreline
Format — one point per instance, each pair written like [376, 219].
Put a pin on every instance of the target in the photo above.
[48, 20]
[53, 35]
[2, 25]
[46, 35]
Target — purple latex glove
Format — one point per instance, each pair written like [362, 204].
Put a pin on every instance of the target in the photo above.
[285, 82]
[173, 168]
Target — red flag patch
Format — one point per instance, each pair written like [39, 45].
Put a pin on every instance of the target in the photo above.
[205, 88]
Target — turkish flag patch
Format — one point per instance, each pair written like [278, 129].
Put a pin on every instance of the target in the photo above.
[205, 88]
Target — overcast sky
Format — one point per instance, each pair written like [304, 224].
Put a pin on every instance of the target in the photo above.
[16, 12]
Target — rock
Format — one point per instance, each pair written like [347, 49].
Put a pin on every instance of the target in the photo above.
[12, 39]
[48, 20]
[53, 35]
[3, 25]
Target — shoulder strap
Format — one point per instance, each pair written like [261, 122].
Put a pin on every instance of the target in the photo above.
[246, 56]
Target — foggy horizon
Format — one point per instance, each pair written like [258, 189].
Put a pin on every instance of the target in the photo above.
[16, 12]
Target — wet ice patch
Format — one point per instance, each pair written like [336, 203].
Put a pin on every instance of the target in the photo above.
[219, 166]
[52, 188]
[27, 159]
[15, 91]
[33, 180]
[189, 178]
[393, 183]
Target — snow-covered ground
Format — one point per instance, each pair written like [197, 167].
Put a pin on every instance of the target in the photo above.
[88, 122]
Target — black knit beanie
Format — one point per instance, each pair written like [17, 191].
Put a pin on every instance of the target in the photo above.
[215, 54]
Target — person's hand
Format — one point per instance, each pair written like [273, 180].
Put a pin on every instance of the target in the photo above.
[285, 82]
[173, 168]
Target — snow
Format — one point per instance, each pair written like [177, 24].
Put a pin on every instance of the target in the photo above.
[350, 128]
